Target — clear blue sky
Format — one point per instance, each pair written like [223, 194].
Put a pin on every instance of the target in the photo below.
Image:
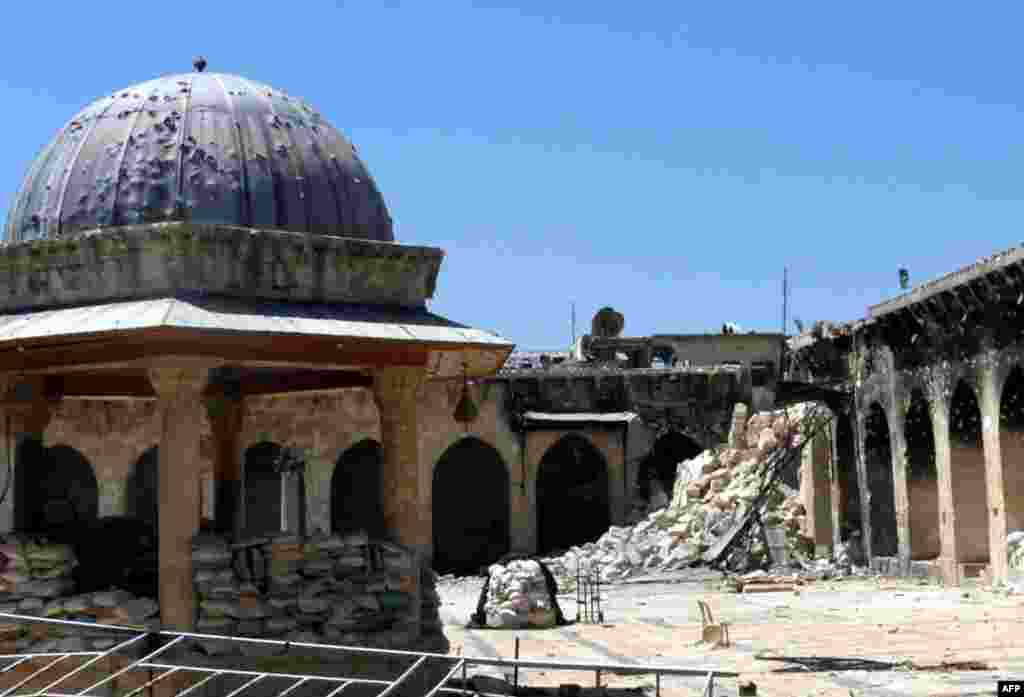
[665, 158]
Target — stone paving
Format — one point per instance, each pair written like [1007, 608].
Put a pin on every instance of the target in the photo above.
[889, 622]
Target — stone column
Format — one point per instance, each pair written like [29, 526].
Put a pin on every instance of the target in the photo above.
[26, 413]
[407, 517]
[860, 458]
[938, 390]
[179, 385]
[815, 492]
[989, 396]
[226, 412]
[901, 494]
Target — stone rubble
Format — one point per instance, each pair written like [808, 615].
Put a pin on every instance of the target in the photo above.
[711, 492]
[1015, 549]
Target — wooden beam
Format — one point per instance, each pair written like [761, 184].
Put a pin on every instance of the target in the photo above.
[130, 346]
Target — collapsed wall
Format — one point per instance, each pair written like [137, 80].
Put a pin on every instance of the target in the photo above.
[712, 492]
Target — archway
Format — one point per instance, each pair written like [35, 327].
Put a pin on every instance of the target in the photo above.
[922, 480]
[58, 493]
[967, 473]
[471, 507]
[263, 491]
[847, 488]
[572, 495]
[142, 493]
[878, 458]
[1011, 437]
[356, 490]
[657, 472]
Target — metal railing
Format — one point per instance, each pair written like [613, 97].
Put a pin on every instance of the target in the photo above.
[207, 676]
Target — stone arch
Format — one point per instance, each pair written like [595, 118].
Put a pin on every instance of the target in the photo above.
[357, 489]
[471, 507]
[57, 490]
[922, 479]
[881, 486]
[847, 497]
[573, 502]
[263, 491]
[1011, 437]
[657, 470]
[967, 475]
[142, 492]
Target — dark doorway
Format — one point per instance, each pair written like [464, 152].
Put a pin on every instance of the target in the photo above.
[1011, 437]
[658, 469]
[142, 494]
[262, 489]
[471, 507]
[847, 487]
[922, 480]
[57, 490]
[878, 458]
[356, 490]
[967, 472]
[572, 495]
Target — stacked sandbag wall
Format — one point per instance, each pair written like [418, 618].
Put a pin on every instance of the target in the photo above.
[325, 588]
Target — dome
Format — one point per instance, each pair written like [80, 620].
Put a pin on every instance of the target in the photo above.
[202, 147]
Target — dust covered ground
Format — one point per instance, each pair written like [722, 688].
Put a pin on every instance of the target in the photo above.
[855, 636]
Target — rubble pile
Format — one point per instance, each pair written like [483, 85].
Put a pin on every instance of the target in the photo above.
[517, 596]
[712, 491]
[326, 588]
[34, 571]
[115, 607]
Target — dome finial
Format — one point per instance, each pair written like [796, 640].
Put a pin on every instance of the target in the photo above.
[199, 64]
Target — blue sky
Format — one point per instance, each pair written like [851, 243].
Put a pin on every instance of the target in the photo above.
[668, 159]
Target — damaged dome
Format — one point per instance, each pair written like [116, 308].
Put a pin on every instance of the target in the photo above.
[202, 147]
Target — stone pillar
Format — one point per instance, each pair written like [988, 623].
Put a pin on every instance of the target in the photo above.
[179, 384]
[26, 413]
[901, 494]
[835, 484]
[407, 516]
[815, 492]
[226, 412]
[938, 405]
[989, 397]
[860, 457]
[519, 502]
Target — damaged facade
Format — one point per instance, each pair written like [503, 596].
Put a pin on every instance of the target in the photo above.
[922, 454]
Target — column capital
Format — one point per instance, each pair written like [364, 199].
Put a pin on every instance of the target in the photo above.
[397, 385]
[180, 377]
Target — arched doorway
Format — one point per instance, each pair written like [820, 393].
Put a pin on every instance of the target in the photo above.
[142, 493]
[356, 490]
[967, 472]
[471, 507]
[657, 471]
[878, 458]
[263, 491]
[1011, 430]
[572, 495]
[58, 493]
[922, 480]
[847, 488]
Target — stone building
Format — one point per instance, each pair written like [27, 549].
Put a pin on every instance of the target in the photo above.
[923, 456]
[200, 276]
